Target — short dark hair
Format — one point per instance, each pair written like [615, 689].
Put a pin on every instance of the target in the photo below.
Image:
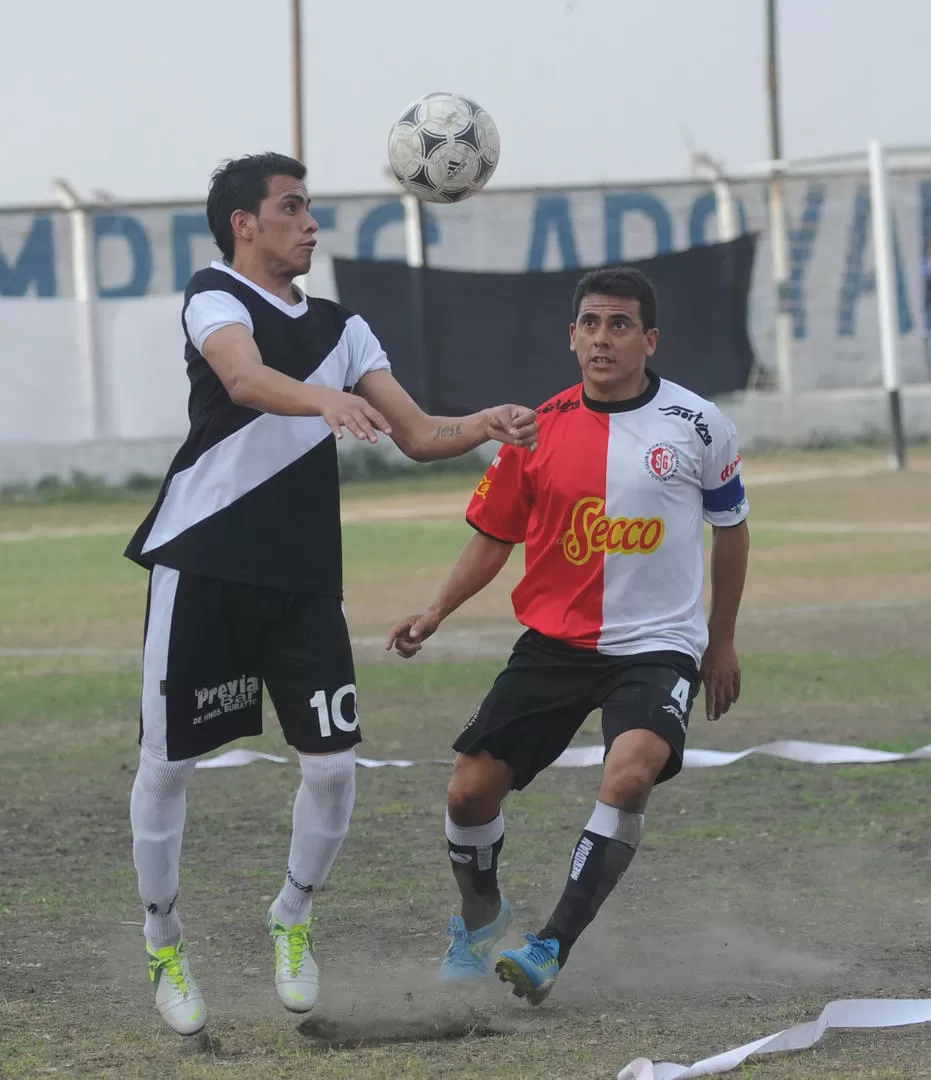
[242, 184]
[622, 281]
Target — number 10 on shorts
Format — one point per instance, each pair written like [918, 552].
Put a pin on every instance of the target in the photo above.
[334, 712]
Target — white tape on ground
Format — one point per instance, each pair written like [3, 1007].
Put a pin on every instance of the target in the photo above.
[809, 753]
[579, 757]
[231, 758]
[851, 1013]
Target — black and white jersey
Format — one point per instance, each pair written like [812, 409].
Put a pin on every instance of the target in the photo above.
[251, 496]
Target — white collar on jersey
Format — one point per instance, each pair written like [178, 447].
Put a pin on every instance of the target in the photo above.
[294, 310]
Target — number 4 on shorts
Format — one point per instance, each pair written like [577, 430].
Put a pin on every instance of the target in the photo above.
[679, 694]
[335, 711]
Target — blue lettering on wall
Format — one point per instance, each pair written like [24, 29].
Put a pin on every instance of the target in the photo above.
[35, 264]
[184, 227]
[703, 209]
[630, 202]
[801, 244]
[325, 216]
[381, 217]
[906, 322]
[140, 250]
[551, 214]
[857, 281]
[926, 248]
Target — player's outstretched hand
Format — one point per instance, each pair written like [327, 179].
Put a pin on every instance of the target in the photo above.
[720, 672]
[408, 636]
[342, 410]
[514, 424]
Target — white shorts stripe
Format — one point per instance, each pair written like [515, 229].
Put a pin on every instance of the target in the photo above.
[163, 588]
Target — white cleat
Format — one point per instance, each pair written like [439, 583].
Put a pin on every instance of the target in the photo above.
[177, 997]
[297, 978]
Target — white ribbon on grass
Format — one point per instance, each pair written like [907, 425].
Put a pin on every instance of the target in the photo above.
[230, 758]
[239, 756]
[810, 753]
[850, 1013]
[577, 757]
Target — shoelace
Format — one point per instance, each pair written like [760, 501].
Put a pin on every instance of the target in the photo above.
[538, 950]
[174, 969]
[297, 939]
[460, 948]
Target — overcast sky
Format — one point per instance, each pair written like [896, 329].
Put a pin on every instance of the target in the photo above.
[143, 99]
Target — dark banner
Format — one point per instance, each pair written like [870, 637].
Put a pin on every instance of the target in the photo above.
[461, 341]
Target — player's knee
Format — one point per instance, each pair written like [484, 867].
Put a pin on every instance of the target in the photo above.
[330, 780]
[475, 791]
[628, 782]
[162, 779]
[336, 769]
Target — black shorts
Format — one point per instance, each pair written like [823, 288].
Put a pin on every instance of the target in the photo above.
[548, 688]
[210, 645]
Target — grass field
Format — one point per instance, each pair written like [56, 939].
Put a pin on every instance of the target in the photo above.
[761, 891]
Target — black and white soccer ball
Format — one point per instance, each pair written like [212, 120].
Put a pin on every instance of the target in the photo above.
[444, 148]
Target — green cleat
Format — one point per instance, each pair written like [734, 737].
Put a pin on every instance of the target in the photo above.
[177, 998]
[297, 978]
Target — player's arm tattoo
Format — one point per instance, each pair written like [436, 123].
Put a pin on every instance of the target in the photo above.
[447, 431]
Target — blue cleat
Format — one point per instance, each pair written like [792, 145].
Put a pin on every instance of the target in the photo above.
[531, 970]
[468, 954]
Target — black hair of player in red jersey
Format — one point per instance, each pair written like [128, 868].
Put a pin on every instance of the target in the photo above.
[624, 282]
[242, 184]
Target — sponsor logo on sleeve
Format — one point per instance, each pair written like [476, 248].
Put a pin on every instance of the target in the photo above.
[591, 531]
[728, 471]
[485, 482]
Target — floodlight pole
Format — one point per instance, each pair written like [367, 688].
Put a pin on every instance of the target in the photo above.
[297, 82]
[778, 226]
[885, 295]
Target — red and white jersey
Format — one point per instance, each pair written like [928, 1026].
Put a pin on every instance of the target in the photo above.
[610, 506]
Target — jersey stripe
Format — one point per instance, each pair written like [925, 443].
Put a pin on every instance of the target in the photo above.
[240, 463]
[162, 589]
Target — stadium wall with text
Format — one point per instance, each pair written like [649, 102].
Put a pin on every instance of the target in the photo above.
[143, 256]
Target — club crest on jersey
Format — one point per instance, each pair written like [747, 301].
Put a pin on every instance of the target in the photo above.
[591, 531]
[662, 461]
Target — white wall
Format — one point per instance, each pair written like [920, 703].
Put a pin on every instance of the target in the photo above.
[761, 418]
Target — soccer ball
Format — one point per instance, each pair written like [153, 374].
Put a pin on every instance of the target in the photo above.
[444, 148]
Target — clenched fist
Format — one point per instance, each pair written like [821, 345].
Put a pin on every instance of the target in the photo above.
[514, 424]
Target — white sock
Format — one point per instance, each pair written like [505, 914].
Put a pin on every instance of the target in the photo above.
[157, 812]
[322, 808]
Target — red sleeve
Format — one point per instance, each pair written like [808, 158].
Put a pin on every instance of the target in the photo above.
[500, 507]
